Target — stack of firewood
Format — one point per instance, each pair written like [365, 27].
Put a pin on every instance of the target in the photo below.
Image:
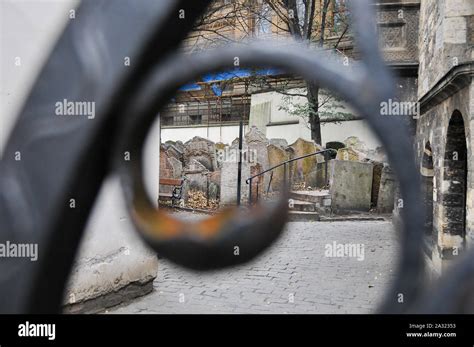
[197, 199]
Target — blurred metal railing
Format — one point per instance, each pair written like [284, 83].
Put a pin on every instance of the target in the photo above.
[285, 164]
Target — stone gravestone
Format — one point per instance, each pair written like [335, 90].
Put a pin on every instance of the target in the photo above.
[254, 160]
[196, 177]
[214, 184]
[350, 185]
[258, 187]
[377, 176]
[170, 167]
[349, 154]
[257, 155]
[282, 143]
[277, 155]
[177, 167]
[220, 150]
[359, 146]
[175, 152]
[355, 143]
[307, 170]
[166, 169]
[228, 184]
[386, 196]
[178, 145]
[201, 150]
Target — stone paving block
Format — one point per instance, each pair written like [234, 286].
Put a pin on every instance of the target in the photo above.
[318, 284]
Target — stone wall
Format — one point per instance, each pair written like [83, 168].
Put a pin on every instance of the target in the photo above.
[432, 128]
[111, 257]
[446, 38]
[113, 264]
[445, 127]
[398, 28]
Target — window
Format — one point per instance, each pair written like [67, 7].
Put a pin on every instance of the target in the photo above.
[195, 119]
[263, 21]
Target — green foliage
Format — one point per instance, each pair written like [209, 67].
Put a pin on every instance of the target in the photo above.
[330, 108]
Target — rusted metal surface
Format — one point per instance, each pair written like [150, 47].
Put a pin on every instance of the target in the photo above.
[64, 158]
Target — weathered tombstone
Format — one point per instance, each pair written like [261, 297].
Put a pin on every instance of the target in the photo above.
[277, 155]
[214, 184]
[349, 154]
[350, 185]
[170, 167]
[166, 169]
[220, 145]
[220, 152]
[228, 185]
[255, 135]
[359, 146]
[282, 143]
[386, 196]
[196, 177]
[179, 145]
[215, 177]
[254, 155]
[258, 187]
[214, 191]
[175, 152]
[256, 146]
[177, 167]
[201, 150]
[355, 143]
[170, 164]
[377, 175]
[306, 170]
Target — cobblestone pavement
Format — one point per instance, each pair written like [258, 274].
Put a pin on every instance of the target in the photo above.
[294, 276]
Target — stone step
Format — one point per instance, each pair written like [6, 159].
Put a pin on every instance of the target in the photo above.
[321, 198]
[299, 216]
[303, 206]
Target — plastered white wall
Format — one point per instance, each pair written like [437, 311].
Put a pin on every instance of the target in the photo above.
[111, 254]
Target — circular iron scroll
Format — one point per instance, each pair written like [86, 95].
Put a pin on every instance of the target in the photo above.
[364, 88]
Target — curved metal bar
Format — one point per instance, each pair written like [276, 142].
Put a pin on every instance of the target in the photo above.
[286, 162]
[365, 90]
[127, 101]
[69, 157]
[452, 292]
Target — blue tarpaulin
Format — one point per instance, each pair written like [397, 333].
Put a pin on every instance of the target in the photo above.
[228, 75]
[190, 87]
[216, 89]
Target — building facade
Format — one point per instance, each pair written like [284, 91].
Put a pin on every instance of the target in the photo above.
[444, 131]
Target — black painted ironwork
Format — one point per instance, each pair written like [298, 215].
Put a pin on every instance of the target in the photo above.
[284, 164]
[68, 158]
[239, 165]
